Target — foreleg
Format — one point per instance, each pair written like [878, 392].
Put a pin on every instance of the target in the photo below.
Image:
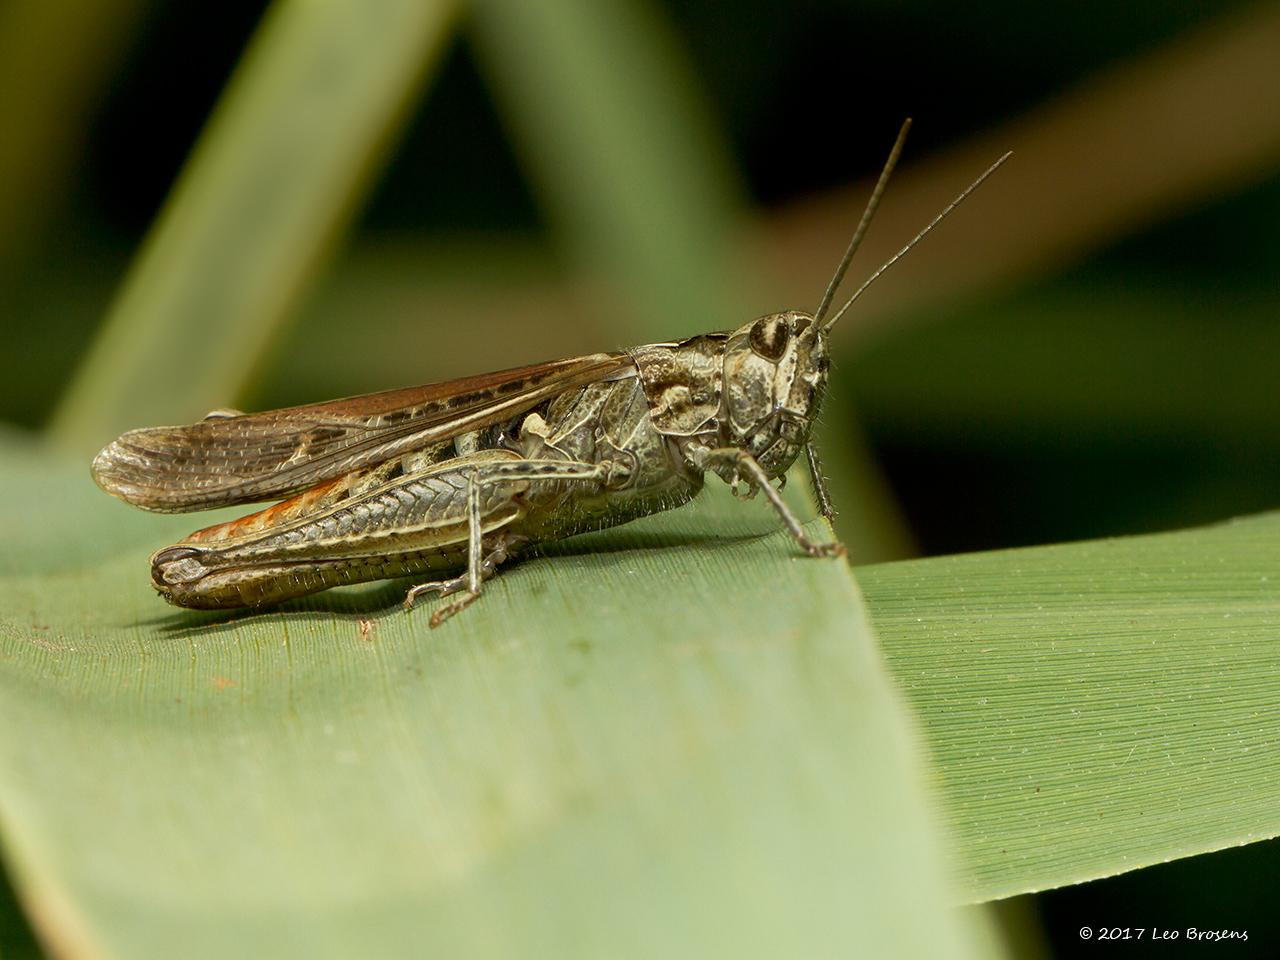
[745, 464]
[820, 491]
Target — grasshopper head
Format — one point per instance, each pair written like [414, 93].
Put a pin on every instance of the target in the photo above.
[775, 368]
[775, 372]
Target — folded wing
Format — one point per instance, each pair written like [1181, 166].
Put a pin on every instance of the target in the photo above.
[240, 459]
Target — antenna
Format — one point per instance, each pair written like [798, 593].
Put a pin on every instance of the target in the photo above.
[865, 222]
[918, 237]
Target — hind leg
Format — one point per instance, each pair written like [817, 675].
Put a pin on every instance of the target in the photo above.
[479, 566]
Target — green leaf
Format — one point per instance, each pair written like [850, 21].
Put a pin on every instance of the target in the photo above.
[671, 739]
[1095, 707]
[275, 176]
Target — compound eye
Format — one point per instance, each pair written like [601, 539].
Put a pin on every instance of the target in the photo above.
[769, 337]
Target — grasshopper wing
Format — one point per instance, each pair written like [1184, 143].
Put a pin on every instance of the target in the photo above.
[225, 460]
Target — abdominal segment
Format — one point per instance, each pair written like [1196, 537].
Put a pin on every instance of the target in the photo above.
[322, 538]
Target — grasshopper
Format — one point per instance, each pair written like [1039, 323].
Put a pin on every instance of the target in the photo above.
[458, 477]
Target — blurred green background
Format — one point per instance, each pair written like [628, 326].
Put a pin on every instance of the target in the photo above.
[1088, 348]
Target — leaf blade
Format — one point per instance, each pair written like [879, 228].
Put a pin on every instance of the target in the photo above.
[1092, 708]
[605, 753]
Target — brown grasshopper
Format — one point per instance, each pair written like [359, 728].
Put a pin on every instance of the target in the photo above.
[463, 475]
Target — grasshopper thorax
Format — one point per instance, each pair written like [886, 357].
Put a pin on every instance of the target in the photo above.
[775, 373]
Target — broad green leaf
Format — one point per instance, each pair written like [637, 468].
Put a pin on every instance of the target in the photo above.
[275, 176]
[671, 739]
[1096, 707]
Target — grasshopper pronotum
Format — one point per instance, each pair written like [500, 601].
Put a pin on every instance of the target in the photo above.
[459, 476]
